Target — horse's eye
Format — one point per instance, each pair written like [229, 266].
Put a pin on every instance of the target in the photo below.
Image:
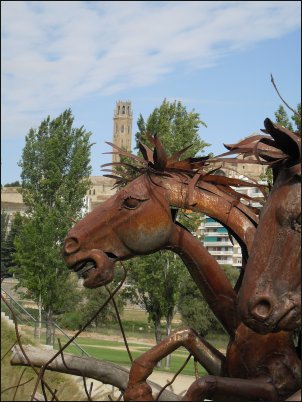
[131, 203]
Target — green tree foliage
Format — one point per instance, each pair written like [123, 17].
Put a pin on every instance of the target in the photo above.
[55, 177]
[4, 225]
[93, 299]
[73, 295]
[297, 119]
[7, 242]
[175, 126]
[87, 302]
[56, 166]
[155, 281]
[194, 311]
[191, 220]
[282, 118]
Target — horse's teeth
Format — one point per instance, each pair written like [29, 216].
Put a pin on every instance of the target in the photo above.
[87, 267]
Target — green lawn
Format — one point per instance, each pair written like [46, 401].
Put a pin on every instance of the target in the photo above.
[121, 357]
[139, 315]
[106, 350]
[88, 341]
[136, 325]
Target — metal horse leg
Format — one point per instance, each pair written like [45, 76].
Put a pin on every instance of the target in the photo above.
[231, 389]
[210, 358]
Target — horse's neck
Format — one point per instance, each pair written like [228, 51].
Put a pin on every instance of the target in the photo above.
[217, 204]
[207, 274]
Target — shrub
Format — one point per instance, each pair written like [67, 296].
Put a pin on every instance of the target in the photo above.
[72, 320]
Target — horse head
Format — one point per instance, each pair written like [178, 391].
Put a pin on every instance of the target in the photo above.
[270, 295]
[135, 221]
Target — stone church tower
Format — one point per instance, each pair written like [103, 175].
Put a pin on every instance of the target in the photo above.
[122, 127]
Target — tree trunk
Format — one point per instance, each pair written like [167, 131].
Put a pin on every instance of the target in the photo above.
[40, 316]
[168, 333]
[158, 334]
[49, 327]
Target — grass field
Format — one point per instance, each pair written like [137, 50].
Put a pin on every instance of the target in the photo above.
[137, 327]
[115, 351]
[121, 357]
[141, 333]
[139, 315]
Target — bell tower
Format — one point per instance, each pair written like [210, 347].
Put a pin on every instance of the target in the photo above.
[122, 127]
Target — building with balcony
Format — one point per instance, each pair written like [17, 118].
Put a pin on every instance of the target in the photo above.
[217, 242]
[216, 238]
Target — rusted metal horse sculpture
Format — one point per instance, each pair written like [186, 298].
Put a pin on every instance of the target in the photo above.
[270, 296]
[137, 221]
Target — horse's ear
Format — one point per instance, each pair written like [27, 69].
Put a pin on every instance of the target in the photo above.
[159, 155]
[146, 152]
[285, 139]
[150, 139]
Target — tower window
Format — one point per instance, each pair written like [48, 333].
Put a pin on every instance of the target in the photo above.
[118, 110]
[122, 129]
[123, 110]
[128, 109]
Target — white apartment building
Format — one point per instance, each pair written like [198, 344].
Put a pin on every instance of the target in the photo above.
[216, 238]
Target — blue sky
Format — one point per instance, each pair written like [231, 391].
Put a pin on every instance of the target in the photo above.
[216, 57]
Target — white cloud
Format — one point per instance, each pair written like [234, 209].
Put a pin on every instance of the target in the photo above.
[57, 52]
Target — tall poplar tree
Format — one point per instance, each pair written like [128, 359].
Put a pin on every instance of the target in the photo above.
[175, 126]
[55, 177]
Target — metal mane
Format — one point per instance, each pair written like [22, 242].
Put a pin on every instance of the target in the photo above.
[157, 162]
[281, 148]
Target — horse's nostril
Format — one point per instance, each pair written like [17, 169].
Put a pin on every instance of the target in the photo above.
[261, 309]
[71, 245]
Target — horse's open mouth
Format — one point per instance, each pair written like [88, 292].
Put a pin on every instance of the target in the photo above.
[84, 267]
[96, 268]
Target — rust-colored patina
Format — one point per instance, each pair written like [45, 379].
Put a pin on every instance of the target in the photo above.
[256, 367]
[270, 296]
[138, 220]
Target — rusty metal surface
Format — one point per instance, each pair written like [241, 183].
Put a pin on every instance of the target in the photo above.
[270, 296]
[138, 220]
[268, 364]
